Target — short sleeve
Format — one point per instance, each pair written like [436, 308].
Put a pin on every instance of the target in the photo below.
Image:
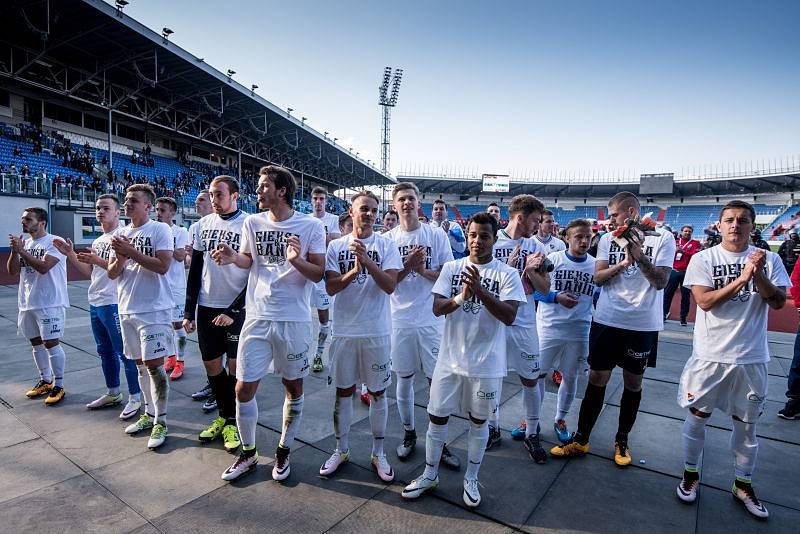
[182, 239]
[53, 251]
[244, 246]
[778, 276]
[443, 251]
[194, 236]
[442, 286]
[163, 239]
[666, 251]
[511, 288]
[603, 246]
[331, 263]
[316, 244]
[698, 273]
[392, 258]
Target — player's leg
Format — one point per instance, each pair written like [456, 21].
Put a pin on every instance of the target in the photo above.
[156, 335]
[132, 347]
[405, 358]
[685, 298]
[51, 327]
[478, 406]
[323, 305]
[375, 371]
[748, 398]
[255, 353]
[343, 369]
[291, 362]
[640, 349]
[445, 396]
[28, 326]
[603, 352]
[180, 343]
[111, 320]
[108, 361]
[212, 342]
[572, 363]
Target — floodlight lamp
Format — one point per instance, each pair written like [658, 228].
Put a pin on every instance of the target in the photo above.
[121, 3]
[231, 72]
[166, 32]
[253, 87]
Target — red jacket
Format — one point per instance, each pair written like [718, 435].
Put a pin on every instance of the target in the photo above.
[794, 291]
[684, 253]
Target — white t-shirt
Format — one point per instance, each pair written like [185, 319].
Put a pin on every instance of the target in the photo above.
[362, 309]
[37, 291]
[330, 222]
[551, 244]
[412, 300]
[193, 231]
[177, 269]
[102, 289]
[734, 331]
[474, 341]
[628, 300]
[220, 284]
[141, 290]
[503, 248]
[275, 290]
[575, 277]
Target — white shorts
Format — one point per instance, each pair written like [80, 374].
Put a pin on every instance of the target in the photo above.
[414, 349]
[277, 347]
[177, 313]
[361, 360]
[451, 393]
[737, 389]
[522, 351]
[569, 356]
[46, 323]
[147, 336]
[322, 301]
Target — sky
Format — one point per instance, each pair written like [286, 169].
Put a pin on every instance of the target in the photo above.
[518, 87]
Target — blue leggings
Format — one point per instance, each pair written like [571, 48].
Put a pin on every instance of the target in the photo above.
[108, 336]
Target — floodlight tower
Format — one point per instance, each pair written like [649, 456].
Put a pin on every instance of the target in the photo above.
[388, 99]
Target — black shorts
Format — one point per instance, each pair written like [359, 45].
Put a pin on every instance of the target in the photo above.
[216, 340]
[610, 347]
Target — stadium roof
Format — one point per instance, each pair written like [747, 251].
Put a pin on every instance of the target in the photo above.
[754, 183]
[91, 52]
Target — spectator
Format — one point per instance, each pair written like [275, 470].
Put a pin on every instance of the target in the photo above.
[757, 241]
[792, 408]
[685, 248]
[455, 234]
[789, 251]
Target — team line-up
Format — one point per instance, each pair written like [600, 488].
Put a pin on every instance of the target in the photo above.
[401, 303]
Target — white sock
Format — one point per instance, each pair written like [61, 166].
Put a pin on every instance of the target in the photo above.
[58, 360]
[342, 419]
[744, 446]
[566, 395]
[292, 414]
[181, 343]
[694, 436]
[324, 334]
[405, 400]
[246, 419]
[476, 446]
[159, 388]
[434, 443]
[494, 417]
[42, 359]
[378, 414]
[144, 385]
[364, 389]
[532, 400]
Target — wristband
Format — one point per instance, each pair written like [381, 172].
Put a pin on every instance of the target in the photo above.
[459, 299]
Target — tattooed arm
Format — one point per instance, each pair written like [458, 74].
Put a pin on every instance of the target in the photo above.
[657, 276]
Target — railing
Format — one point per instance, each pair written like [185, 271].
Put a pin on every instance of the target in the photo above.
[748, 169]
[16, 184]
